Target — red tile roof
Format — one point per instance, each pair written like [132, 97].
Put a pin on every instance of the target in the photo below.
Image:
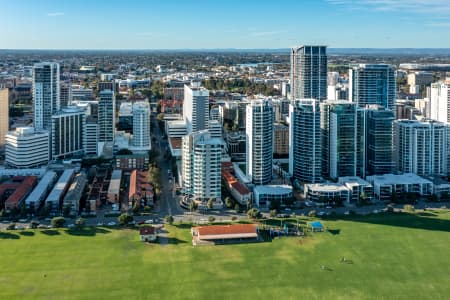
[226, 229]
[240, 188]
[146, 230]
[21, 191]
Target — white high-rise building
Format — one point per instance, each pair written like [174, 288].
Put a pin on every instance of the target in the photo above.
[91, 136]
[201, 165]
[46, 94]
[196, 107]
[440, 102]
[372, 84]
[4, 115]
[26, 148]
[259, 136]
[107, 116]
[305, 144]
[68, 132]
[421, 147]
[141, 125]
[309, 72]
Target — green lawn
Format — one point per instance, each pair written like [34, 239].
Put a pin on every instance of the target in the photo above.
[394, 257]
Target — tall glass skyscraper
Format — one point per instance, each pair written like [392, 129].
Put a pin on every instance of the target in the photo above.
[309, 72]
[372, 84]
[305, 147]
[259, 136]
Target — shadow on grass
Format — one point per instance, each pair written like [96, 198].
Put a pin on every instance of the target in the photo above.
[8, 235]
[407, 220]
[27, 233]
[183, 225]
[334, 231]
[175, 241]
[51, 232]
[87, 231]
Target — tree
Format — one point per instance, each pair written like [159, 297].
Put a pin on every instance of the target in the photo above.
[273, 213]
[58, 222]
[169, 219]
[80, 222]
[11, 226]
[312, 213]
[233, 218]
[363, 197]
[210, 203]
[192, 206]
[211, 219]
[254, 213]
[34, 224]
[237, 208]
[147, 208]
[125, 219]
[409, 208]
[228, 202]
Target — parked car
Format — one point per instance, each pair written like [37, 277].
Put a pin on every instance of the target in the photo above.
[150, 221]
[100, 224]
[71, 226]
[111, 223]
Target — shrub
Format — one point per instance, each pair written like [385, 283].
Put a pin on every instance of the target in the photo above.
[169, 219]
[254, 213]
[408, 208]
[233, 218]
[125, 219]
[273, 213]
[312, 213]
[11, 226]
[211, 219]
[58, 222]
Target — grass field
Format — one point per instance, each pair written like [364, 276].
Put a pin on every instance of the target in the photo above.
[393, 257]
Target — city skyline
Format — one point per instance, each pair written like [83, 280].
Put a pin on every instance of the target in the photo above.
[209, 25]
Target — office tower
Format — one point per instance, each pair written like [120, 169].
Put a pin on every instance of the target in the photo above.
[309, 72]
[201, 165]
[106, 116]
[26, 147]
[421, 147]
[215, 129]
[342, 130]
[91, 136]
[372, 84]
[4, 115]
[440, 102]
[280, 140]
[46, 94]
[305, 144]
[68, 132]
[65, 94]
[141, 125]
[379, 140]
[106, 85]
[196, 107]
[259, 136]
[417, 81]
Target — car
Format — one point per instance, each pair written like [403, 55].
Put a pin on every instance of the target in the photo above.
[42, 226]
[49, 226]
[309, 203]
[151, 221]
[321, 213]
[111, 223]
[140, 222]
[71, 226]
[346, 213]
[132, 223]
[5, 222]
[23, 220]
[287, 209]
[328, 207]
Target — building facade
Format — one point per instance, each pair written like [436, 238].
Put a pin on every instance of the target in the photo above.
[46, 94]
[201, 166]
[309, 72]
[196, 107]
[26, 148]
[106, 116]
[68, 132]
[4, 115]
[259, 136]
[372, 84]
[305, 144]
[421, 147]
[141, 125]
[440, 102]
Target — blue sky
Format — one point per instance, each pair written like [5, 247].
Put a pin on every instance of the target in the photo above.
[172, 24]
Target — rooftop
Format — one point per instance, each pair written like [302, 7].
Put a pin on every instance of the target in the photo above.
[215, 230]
[407, 178]
[274, 189]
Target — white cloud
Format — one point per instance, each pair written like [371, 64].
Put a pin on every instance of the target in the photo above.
[417, 6]
[55, 14]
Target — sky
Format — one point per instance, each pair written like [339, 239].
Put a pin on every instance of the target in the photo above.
[202, 24]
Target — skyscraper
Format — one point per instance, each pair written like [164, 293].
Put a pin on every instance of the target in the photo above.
[305, 144]
[4, 114]
[141, 125]
[309, 72]
[196, 107]
[46, 93]
[342, 130]
[379, 140]
[372, 84]
[106, 116]
[259, 136]
[65, 94]
[201, 165]
[421, 147]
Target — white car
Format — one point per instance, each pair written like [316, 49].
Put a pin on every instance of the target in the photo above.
[321, 213]
[148, 222]
[99, 224]
[71, 226]
[111, 223]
